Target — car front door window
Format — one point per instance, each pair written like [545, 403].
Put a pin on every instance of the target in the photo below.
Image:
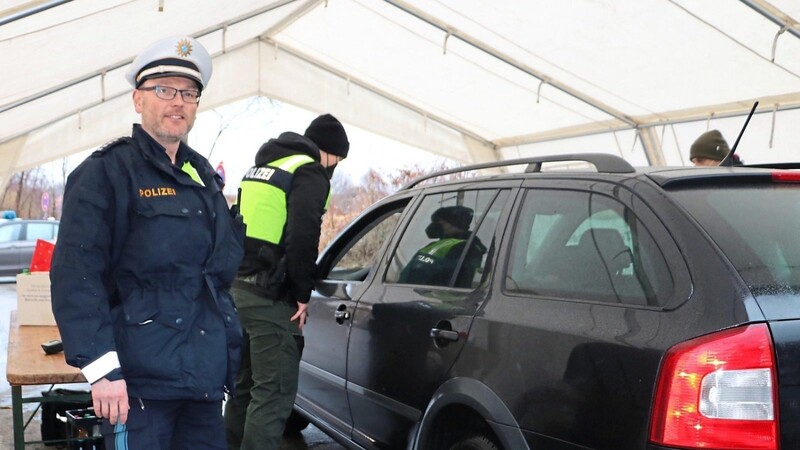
[440, 246]
[361, 255]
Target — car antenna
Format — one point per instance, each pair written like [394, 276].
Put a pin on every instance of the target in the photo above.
[729, 158]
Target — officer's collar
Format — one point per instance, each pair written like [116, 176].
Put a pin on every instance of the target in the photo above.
[159, 151]
[182, 154]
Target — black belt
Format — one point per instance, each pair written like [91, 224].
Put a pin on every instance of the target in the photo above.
[258, 284]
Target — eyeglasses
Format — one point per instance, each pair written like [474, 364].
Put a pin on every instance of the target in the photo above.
[168, 93]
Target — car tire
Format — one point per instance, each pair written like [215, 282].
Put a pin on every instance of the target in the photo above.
[295, 424]
[474, 442]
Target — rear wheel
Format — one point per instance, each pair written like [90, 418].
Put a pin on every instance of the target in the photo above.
[475, 442]
[295, 424]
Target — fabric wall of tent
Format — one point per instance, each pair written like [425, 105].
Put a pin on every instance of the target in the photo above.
[471, 80]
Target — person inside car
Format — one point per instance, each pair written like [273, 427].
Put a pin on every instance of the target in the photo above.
[435, 263]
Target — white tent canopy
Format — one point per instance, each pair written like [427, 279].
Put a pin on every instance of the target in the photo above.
[471, 80]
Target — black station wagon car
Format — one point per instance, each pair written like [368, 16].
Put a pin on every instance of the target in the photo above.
[614, 309]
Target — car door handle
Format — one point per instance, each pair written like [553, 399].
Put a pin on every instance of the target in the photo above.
[447, 335]
[341, 316]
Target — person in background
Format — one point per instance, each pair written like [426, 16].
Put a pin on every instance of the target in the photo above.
[709, 149]
[147, 250]
[435, 263]
[282, 199]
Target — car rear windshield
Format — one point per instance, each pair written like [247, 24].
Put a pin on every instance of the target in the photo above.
[757, 226]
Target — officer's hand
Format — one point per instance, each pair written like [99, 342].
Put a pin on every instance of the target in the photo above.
[301, 314]
[110, 400]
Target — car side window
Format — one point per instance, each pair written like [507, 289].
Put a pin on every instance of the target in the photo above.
[441, 247]
[40, 231]
[586, 246]
[10, 232]
[361, 255]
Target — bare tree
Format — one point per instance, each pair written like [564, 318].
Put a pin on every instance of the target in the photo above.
[348, 200]
[23, 193]
[23, 176]
[230, 121]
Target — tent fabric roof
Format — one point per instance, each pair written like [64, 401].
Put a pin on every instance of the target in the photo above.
[467, 79]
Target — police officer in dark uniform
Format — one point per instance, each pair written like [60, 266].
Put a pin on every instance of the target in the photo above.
[435, 263]
[283, 198]
[147, 250]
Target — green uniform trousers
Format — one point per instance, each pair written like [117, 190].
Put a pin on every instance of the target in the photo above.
[267, 383]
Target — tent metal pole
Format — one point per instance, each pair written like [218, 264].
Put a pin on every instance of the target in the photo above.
[31, 11]
[774, 14]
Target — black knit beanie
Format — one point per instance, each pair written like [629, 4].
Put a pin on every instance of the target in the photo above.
[329, 135]
[458, 216]
[710, 145]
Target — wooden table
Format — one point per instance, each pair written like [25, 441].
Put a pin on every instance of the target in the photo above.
[29, 365]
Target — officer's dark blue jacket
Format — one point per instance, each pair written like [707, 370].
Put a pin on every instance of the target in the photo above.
[143, 264]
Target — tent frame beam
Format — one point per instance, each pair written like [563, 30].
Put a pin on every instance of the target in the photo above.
[775, 15]
[31, 11]
[767, 105]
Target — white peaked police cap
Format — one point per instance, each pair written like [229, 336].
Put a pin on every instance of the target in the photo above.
[175, 56]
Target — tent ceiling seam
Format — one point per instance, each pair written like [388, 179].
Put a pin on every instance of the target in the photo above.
[377, 91]
[537, 94]
[301, 11]
[67, 115]
[558, 66]
[732, 39]
[507, 59]
[68, 21]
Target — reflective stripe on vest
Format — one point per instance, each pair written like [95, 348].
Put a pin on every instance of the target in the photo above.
[264, 192]
[440, 248]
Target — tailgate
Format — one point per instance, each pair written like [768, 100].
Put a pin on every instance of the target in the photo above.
[786, 336]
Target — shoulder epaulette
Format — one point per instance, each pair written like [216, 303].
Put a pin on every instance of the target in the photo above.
[111, 144]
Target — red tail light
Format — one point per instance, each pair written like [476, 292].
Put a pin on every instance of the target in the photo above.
[718, 391]
[786, 176]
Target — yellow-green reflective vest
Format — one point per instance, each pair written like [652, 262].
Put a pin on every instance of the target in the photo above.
[263, 198]
[432, 264]
[189, 169]
[440, 248]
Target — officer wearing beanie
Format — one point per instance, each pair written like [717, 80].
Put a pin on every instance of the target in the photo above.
[147, 251]
[709, 149]
[434, 263]
[282, 199]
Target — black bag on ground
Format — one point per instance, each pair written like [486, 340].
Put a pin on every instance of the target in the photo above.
[54, 416]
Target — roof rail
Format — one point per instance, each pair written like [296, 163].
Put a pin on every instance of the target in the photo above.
[603, 162]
